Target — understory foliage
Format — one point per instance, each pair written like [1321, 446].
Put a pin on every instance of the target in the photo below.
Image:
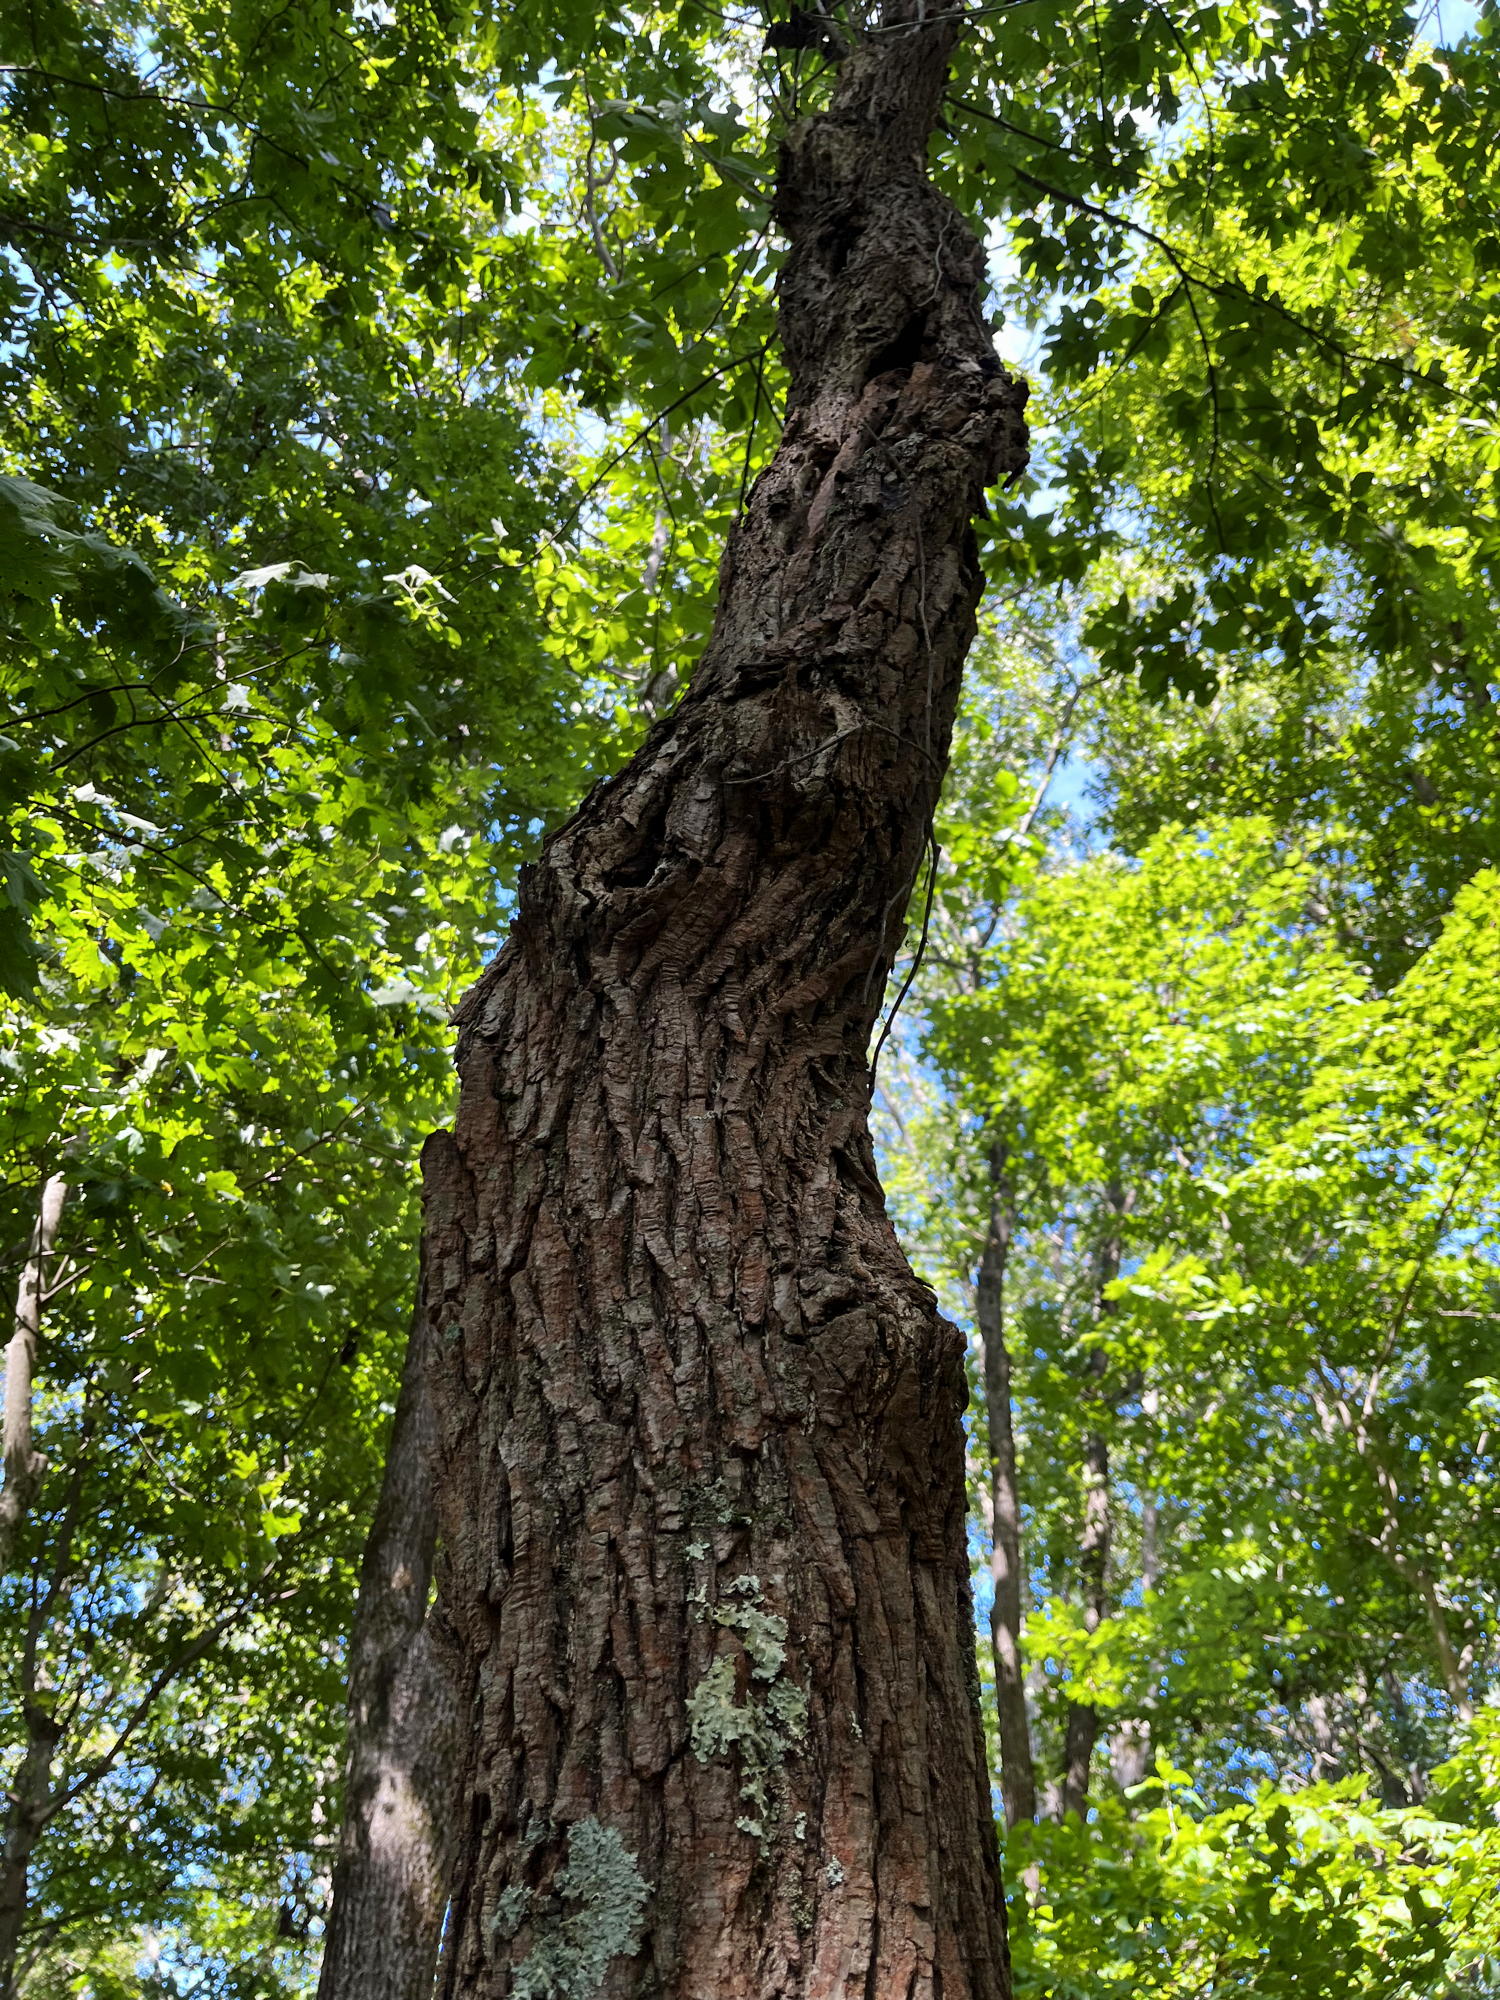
[376, 388]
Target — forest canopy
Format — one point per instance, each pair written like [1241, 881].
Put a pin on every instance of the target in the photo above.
[378, 385]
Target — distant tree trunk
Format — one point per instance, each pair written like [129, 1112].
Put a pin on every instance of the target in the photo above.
[1017, 1774]
[23, 1464]
[701, 1463]
[1093, 1548]
[390, 1884]
[30, 1810]
[1093, 1560]
[1130, 1748]
[29, 1805]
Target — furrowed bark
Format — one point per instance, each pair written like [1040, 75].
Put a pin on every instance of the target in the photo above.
[701, 1470]
[23, 1464]
[1017, 1772]
[390, 1884]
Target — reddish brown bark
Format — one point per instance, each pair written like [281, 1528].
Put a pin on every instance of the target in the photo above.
[701, 1472]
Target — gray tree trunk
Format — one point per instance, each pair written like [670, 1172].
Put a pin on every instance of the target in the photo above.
[390, 1885]
[29, 1805]
[23, 1464]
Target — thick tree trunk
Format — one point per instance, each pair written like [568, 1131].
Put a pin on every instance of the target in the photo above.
[390, 1885]
[1017, 1773]
[702, 1484]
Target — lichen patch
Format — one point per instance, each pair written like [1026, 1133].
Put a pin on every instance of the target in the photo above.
[573, 1946]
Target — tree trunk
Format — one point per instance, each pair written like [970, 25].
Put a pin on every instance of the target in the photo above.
[1130, 1750]
[23, 1464]
[31, 1807]
[1017, 1774]
[1093, 1560]
[390, 1884]
[1093, 1548]
[30, 1800]
[701, 1483]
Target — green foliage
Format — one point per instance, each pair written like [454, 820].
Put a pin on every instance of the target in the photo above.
[376, 389]
[1306, 1895]
[1298, 1333]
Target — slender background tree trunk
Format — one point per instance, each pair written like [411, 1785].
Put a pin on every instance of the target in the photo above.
[23, 1464]
[702, 1479]
[1017, 1773]
[28, 1806]
[1082, 1731]
[1093, 1562]
[390, 1884]
[1130, 1749]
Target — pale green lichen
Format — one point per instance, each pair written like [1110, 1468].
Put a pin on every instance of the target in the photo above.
[573, 1948]
[510, 1911]
[761, 1632]
[762, 1728]
[715, 1720]
[788, 1707]
[834, 1873]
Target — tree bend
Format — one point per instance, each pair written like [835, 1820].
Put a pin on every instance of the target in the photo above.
[701, 1474]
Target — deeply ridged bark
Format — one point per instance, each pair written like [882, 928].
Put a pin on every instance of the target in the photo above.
[702, 1483]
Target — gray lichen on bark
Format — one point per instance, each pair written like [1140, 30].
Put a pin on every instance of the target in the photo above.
[593, 1916]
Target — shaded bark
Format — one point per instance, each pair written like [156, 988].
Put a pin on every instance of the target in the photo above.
[390, 1883]
[1017, 1773]
[701, 1478]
